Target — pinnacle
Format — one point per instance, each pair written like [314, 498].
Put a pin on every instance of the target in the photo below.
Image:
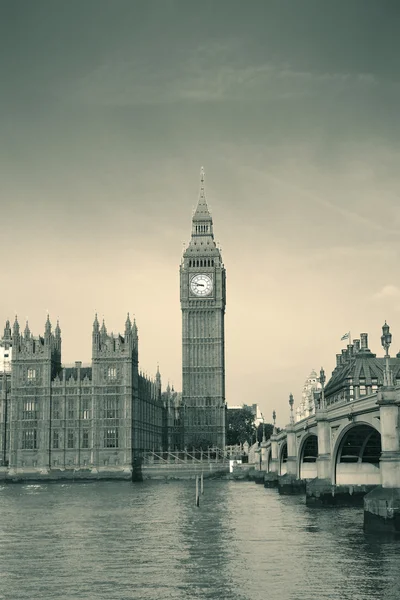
[202, 212]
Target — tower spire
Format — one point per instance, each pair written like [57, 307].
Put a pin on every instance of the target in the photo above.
[202, 213]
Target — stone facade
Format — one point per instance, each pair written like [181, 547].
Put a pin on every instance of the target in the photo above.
[97, 417]
[307, 405]
[174, 419]
[202, 293]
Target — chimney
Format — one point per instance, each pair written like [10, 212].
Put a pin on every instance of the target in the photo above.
[338, 360]
[344, 357]
[356, 346]
[350, 349]
[364, 341]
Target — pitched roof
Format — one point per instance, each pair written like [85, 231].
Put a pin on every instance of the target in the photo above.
[362, 366]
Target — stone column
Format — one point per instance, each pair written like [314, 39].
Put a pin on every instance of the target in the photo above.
[320, 491]
[274, 454]
[263, 447]
[324, 445]
[291, 464]
[271, 478]
[389, 411]
[382, 505]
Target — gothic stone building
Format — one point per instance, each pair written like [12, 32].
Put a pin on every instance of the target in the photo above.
[202, 291]
[96, 417]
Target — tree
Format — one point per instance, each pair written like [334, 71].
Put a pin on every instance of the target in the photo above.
[240, 426]
[268, 431]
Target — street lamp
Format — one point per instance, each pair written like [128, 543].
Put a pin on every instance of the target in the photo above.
[386, 340]
[291, 402]
[322, 380]
[263, 420]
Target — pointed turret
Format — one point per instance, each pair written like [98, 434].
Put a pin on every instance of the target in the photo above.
[16, 327]
[57, 330]
[128, 326]
[95, 335]
[103, 330]
[7, 331]
[57, 336]
[134, 330]
[202, 220]
[27, 332]
[47, 327]
[158, 380]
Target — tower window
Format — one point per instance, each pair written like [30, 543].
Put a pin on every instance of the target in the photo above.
[208, 262]
[70, 409]
[190, 263]
[112, 373]
[70, 438]
[56, 439]
[85, 409]
[111, 438]
[212, 263]
[111, 408]
[85, 438]
[56, 409]
[29, 439]
[31, 374]
[29, 412]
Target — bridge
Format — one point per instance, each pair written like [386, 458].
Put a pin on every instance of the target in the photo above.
[184, 464]
[347, 450]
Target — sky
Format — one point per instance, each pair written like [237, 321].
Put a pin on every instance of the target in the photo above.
[108, 110]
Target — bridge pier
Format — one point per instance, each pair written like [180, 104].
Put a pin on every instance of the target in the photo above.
[324, 445]
[271, 478]
[288, 483]
[322, 492]
[263, 451]
[382, 505]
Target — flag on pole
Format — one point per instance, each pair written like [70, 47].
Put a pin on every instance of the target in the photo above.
[345, 336]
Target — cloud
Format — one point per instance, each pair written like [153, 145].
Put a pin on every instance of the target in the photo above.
[388, 291]
[215, 72]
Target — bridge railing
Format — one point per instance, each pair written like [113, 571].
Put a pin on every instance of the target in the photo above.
[213, 455]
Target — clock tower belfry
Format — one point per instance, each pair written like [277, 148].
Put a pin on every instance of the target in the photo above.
[202, 288]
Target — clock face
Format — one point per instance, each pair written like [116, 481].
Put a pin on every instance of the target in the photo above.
[201, 285]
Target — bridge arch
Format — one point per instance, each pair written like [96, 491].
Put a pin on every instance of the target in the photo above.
[355, 459]
[307, 457]
[283, 454]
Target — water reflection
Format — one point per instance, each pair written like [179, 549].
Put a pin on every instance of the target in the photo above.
[210, 540]
[149, 541]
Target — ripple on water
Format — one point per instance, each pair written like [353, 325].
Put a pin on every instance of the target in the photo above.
[112, 540]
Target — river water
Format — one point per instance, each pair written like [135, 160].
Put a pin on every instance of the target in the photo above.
[149, 541]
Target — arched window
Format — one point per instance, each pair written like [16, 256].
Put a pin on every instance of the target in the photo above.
[197, 263]
[190, 263]
[208, 262]
[201, 263]
[212, 263]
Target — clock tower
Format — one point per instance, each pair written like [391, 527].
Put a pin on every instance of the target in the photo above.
[202, 287]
